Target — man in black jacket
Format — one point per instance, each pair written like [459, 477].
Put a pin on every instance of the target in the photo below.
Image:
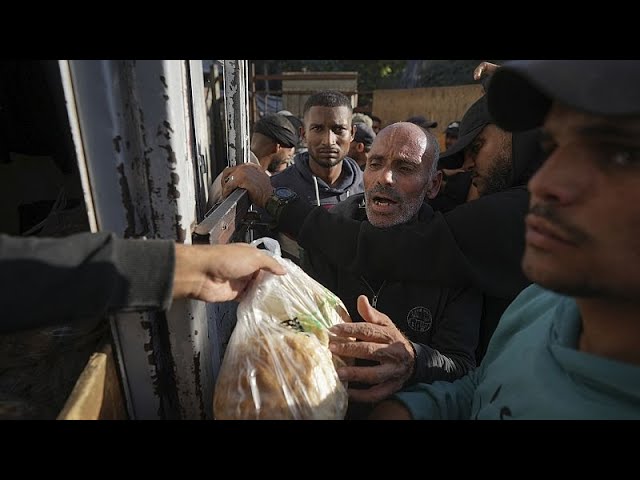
[441, 324]
[480, 242]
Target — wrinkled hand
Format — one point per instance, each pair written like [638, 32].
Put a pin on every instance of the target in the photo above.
[381, 341]
[484, 69]
[250, 177]
[218, 273]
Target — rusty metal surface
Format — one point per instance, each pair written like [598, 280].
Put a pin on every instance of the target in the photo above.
[141, 138]
[236, 93]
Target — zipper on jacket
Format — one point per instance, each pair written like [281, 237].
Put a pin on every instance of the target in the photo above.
[374, 300]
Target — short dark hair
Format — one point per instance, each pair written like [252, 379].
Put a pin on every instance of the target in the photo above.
[327, 98]
[375, 119]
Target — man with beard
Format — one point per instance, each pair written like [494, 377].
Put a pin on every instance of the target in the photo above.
[323, 175]
[441, 324]
[479, 242]
[479, 163]
[569, 346]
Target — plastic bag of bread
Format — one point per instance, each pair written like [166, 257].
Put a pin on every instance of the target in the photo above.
[278, 364]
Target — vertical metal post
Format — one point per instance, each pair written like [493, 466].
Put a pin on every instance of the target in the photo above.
[236, 103]
[140, 150]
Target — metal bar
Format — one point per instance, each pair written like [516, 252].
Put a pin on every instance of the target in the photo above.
[300, 92]
[72, 113]
[235, 88]
[310, 76]
[225, 221]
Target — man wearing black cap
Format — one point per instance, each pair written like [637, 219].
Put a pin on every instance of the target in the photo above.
[361, 144]
[273, 145]
[274, 142]
[569, 346]
[422, 121]
[451, 134]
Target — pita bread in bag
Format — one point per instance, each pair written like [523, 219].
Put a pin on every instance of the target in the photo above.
[278, 364]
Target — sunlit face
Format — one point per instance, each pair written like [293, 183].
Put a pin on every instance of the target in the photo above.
[583, 230]
[281, 159]
[328, 133]
[398, 175]
[489, 156]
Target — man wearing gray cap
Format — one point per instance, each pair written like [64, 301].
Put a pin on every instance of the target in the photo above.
[568, 347]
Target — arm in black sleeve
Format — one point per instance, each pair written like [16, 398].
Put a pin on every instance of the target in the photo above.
[481, 241]
[49, 281]
[451, 353]
[317, 267]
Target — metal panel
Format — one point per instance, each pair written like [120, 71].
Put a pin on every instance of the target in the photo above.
[236, 93]
[140, 148]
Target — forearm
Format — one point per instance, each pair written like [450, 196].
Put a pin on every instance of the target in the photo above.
[440, 400]
[360, 242]
[432, 365]
[52, 281]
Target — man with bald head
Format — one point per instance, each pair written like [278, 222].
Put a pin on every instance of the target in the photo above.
[435, 330]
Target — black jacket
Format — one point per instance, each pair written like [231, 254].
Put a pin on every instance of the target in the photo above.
[442, 323]
[82, 277]
[481, 242]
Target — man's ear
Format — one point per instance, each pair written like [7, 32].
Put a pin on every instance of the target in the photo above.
[353, 132]
[359, 147]
[436, 183]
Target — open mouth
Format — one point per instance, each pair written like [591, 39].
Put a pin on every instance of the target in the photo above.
[383, 201]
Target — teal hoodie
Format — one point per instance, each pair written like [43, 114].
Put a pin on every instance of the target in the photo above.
[533, 370]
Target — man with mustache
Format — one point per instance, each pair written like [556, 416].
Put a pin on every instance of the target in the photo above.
[323, 175]
[434, 332]
[568, 347]
[479, 242]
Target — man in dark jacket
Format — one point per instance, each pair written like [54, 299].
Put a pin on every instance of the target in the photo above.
[323, 175]
[480, 242]
[441, 324]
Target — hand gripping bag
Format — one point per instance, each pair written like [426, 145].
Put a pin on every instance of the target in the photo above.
[277, 364]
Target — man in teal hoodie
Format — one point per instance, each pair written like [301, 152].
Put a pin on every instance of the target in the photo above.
[568, 347]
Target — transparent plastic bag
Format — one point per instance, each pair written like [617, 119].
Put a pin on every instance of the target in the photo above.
[277, 364]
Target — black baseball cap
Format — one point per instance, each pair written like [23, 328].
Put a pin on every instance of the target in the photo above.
[520, 93]
[422, 121]
[364, 134]
[472, 123]
[278, 128]
[453, 128]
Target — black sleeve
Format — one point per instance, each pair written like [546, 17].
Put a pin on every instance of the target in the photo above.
[480, 242]
[47, 281]
[316, 266]
[451, 353]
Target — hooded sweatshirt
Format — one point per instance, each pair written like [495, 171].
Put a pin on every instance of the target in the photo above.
[481, 242]
[314, 190]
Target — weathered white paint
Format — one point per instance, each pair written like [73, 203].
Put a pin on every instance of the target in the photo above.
[141, 136]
